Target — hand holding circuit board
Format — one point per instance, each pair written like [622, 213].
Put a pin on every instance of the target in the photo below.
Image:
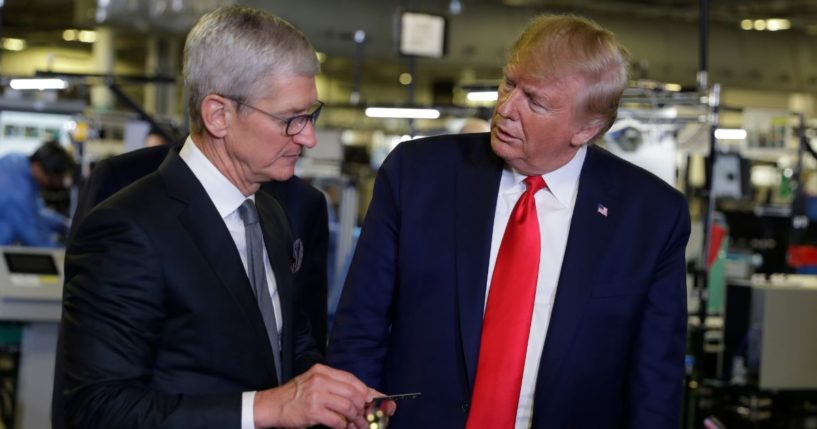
[381, 407]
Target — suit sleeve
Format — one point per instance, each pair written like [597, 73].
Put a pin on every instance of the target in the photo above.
[360, 335]
[307, 352]
[656, 379]
[112, 324]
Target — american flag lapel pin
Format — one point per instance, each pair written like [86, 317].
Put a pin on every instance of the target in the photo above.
[602, 210]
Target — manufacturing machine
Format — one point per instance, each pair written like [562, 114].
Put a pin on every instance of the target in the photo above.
[31, 293]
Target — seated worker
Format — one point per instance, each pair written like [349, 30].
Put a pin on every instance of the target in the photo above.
[24, 218]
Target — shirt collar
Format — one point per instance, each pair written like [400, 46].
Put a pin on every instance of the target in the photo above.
[225, 196]
[561, 182]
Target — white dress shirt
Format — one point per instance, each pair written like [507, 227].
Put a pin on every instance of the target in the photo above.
[227, 199]
[554, 209]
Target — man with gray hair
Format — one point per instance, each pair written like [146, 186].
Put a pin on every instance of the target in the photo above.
[179, 310]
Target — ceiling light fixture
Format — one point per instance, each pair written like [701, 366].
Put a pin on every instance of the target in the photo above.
[11, 44]
[777, 24]
[455, 7]
[730, 134]
[402, 113]
[86, 36]
[481, 96]
[770, 24]
[39, 84]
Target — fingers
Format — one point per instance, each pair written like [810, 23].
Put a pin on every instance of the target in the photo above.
[389, 407]
[339, 404]
[342, 377]
[336, 382]
[335, 397]
[361, 424]
[336, 412]
[322, 395]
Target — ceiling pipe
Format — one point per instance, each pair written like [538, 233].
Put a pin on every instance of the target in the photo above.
[703, 40]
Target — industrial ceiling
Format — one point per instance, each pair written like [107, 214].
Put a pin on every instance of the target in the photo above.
[662, 34]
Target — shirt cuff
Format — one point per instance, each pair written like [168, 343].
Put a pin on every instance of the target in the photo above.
[247, 417]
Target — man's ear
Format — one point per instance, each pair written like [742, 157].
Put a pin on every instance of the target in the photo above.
[587, 131]
[216, 114]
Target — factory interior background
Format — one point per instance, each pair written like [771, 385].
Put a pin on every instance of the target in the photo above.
[721, 105]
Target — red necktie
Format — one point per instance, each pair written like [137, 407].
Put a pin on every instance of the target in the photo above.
[506, 325]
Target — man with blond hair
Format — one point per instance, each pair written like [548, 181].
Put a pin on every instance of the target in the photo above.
[524, 277]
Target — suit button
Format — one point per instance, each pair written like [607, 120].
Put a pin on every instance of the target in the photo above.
[464, 406]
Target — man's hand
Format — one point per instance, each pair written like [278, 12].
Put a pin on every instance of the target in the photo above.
[320, 396]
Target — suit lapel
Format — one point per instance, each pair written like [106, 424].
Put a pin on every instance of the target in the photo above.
[589, 231]
[206, 228]
[475, 206]
[276, 240]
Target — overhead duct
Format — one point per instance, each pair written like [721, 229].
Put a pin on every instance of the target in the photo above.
[171, 16]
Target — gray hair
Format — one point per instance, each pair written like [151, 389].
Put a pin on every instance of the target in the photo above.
[231, 51]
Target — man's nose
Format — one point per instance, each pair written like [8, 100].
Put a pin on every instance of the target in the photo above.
[507, 106]
[306, 137]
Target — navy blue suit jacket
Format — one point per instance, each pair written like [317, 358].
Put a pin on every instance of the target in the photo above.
[410, 316]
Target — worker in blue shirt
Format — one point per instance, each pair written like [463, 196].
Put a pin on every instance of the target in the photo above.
[24, 218]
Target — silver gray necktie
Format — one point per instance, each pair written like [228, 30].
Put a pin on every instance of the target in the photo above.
[258, 278]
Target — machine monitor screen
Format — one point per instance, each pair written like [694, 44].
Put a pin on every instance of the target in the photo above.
[26, 263]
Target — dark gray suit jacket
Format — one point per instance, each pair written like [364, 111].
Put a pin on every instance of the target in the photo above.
[304, 205]
[160, 325]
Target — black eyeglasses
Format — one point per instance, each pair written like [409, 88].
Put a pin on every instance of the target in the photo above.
[294, 124]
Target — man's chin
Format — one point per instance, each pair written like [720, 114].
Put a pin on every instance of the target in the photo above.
[501, 148]
[282, 174]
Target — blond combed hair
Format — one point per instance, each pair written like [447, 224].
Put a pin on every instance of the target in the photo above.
[556, 47]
